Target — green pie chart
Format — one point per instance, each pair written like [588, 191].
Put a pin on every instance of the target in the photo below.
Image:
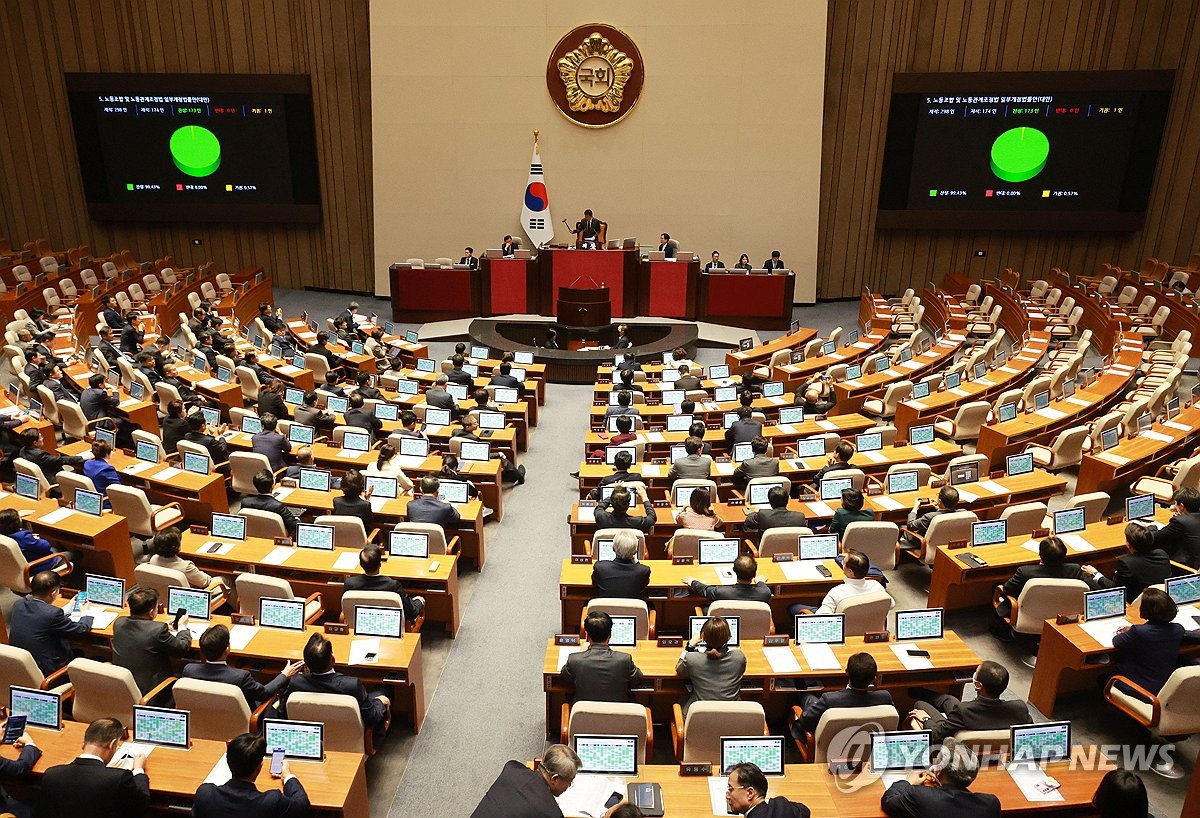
[195, 150]
[1019, 154]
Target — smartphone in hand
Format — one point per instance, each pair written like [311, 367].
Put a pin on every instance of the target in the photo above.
[13, 728]
[277, 756]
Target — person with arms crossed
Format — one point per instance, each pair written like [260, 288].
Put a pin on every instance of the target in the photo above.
[239, 796]
[107, 792]
[599, 673]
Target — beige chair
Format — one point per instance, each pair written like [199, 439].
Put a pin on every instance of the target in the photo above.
[1172, 712]
[249, 382]
[865, 612]
[437, 537]
[924, 472]
[243, 466]
[376, 599]
[754, 618]
[858, 478]
[782, 540]
[609, 719]
[609, 534]
[31, 469]
[145, 518]
[72, 481]
[163, 579]
[106, 690]
[1039, 600]
[218, 710]
[686, 542]
[265, 524]
[1023, 518]
[1163, 484]
[990, 743]
[348, 532]
[778, 480]
[344, 728]
[698, 737]
[885, 407]
[965, 460]
[1064, 452]
[955, 525]
[843, 733]
[966, 422]
[877, 540]
[780, 357]
[319, 365]
[16, 571]
[251, 588]
[644, 628]
[17, 667]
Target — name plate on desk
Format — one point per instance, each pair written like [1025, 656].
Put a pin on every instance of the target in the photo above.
[682, 561]
[695, 770]
[199, 529]
[567, 640]
[594, 461]
[737, 501]
[340, 628]
[807, 498]
[1038, 533]
[874, 491]
[956, 544]
[1116, 519]
[662, 503]
[581, 559]
[778, 557]
[241, 619]
[670, 641]
[776, 641]
[899, 444]
[283, 542]
[877, 636]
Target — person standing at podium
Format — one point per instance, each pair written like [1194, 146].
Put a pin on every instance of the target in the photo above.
[774, 262]
[588, 231]
[508, 248]
[469, 258]
[665, 246]
[716, 263]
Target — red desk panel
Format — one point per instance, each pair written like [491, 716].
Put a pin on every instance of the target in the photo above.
[434, 294]
[669, 282]
[761, 301]
[606, 267]
[509, 280]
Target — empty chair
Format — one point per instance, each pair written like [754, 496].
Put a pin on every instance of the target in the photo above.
[1164, 484]
[1172, 712]
[345, 731]
[218, 710]
[984, 325]
[1023, 518]
[877, 540]
[836, 723]
[348, 532]
[243, 466]
[319, 365]
[1064, 452]
[437, 537]
[754, 618]
[685, 542]
[698, 737]
[644, 626]
[924, 472]
[858, 478]
[586, 718]
[145, 518]
[971, 298]
[885, 407]
[251, 588]
[17, 667]
[106, 690]
[249, 382]
[208, 291]
[781, 540]
[865, 613]
[966, 423]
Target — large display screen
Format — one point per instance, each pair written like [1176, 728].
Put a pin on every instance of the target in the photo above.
[196, 147]
[1070, 150]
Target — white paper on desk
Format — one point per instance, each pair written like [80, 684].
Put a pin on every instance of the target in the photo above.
[1103, 630]
[1115, 459]
[651, 470]
[410, 461]
[102, 619]
[888, 503]
[962, 393]
[786, 428]
[910, 662]
[377, 503]
[875, 457]
[128, 750]
[564, 652]
[282, 493]
[819, 656]
[910, 365]
[56, 516]
[138, 467]
[800, 570]
[1027, 777]
[288, 369]
[724, 575]
[220, 773]
[723, 469]
[781, 660]
[348, 453]
[1078, 401]
[821, 509]
[1009, 370]
[1050, 413]
[588, 793]
[992, 486]
[916, 404]
[1181, 427]
[1076, 543]
[211, 383]
[587, 514]
[1186, 617]
[1159, 436]
[716, 794]
[433, 429]
[655, 437]
[240, 636]
[828, 425]
[167, 473]
[125, 404]
[779, 400]
[852, 384]
[279, 556]
[836, 356]
[861, 344]
[346, 561]
[359, 648]
[965, 496]
[927, 450]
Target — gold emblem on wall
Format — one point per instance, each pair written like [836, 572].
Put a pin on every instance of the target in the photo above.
[595, 75]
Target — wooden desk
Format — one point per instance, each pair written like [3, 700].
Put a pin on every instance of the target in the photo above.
[740, 361]
[1141, 454]
[310, 570]
[852, 394]
[142, 412]
[796, 375]
[336, 786]
[104, 541]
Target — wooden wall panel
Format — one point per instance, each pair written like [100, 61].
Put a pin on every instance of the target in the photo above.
[42, 193]
[869, 40]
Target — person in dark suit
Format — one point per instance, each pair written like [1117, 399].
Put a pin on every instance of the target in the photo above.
[427, 508]
[600, 674]
[310, 415]
[352, 503]
[145, 646]
[745, 569]
[508, 248]
[503, 377]
[686, 380]
[200, 434]
[131, 337]
[63, 389]
[41, 627]
[270, 401]
[270, 320]
[851, 511]
[319, 348]
[519, 792]
[614, 513]
[623, 339]
[51, 463]
[1181, 536]
[1147, 653]
[774, 262]
[746, 794]
[214, 648]
[364, 388]
[33, 369]
[778, 515]
[469, 258]
[107, 348]
[205, 347]
[623, 576]
[715, 264]
[587, 230]
[744, 429]
[239, 795]
[349, 314]
[1052, 553]
[270, 443]
[331, 384]
[18, 768]
[861, 672]
[320, 677]
[264, 375]
[1143, 566]
[437, 396]
[665, 246]
[96, 401]
[622, 463]
[838, 461]
[110, 314]
[357, 415]
[918, 522]
[264, 484]
[946, 715]
[89, 786]
[145, 365]
[551, 339]
[283, 340]
[942, 790]
[459, 375]
[370, 559]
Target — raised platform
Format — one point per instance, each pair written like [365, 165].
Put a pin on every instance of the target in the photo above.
[708, 335]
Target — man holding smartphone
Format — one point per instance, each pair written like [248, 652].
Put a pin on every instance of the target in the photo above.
[10, 768]
[239, 796]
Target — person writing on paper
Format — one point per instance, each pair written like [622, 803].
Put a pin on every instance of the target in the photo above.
[599, 673]
[715, 264]
[947, 715]
[941, 791]
[42, 627]
[746, 588]
[240, 796]
[88, 786]
[370, 559]
[746, 794]
[1143, 566]
[715, 671]
[862, 672]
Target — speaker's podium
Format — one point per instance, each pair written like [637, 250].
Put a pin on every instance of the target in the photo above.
[583, 306]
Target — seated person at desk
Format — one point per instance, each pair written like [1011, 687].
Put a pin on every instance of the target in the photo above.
[449, 471]
[309, 415]
[107, 792]
[270, 320]
[200, 434]
[693, 464]
[174, 427]
[97, 403]
[1147, 653]
[370, 559]
[107, 348]
[1121, 794]
[164, 553]
[503, 377]
[34, 369]
[623, 339]
[483, 401]
[345, 333]
[321, 677]
[429, 508]
[614, 513]
[622, 463]
[1181, 536]
[744, 429]
[18, 768]
[698, 430]
[918, 523]
[760, 464]
[715, 264]
[250, 361]
[32, 546]
[304, 460]
[131, 337]
[204, 346]
[184, 388]
[437, 396]
[270, 400]
[855, 568]
[623, 406]
[946, 715]
[283, 340]
[862, 673]
[774, 262]
[624, 434]
[60, 386]
[110, 314]
[851, 511]
[508, 248]
[666, 246]
[508, 472]
[778, 515]
[743, 263]
[942, 790]
[746, 794]
[622, 576]
[100, 471]
[352, 503]
[331, 384]
[745, 589]
[838, 461]
[716, 673]
[1143, 566]
[240, 796]
[264, 484]
[357, 415]
[364, 388]
[457, 374]
[319, 347]
[386, 465]
[686, 380]
[551, 339]
[270, 443]
[519, 792]
[625, 382]
[469, 259]
[817, 398]
[214, 650]
[1052, 564]
[599, 673]
[145, 646]
[145, 365]
[50, 463]
[374, 345]
[41, 627]
[699, 512]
